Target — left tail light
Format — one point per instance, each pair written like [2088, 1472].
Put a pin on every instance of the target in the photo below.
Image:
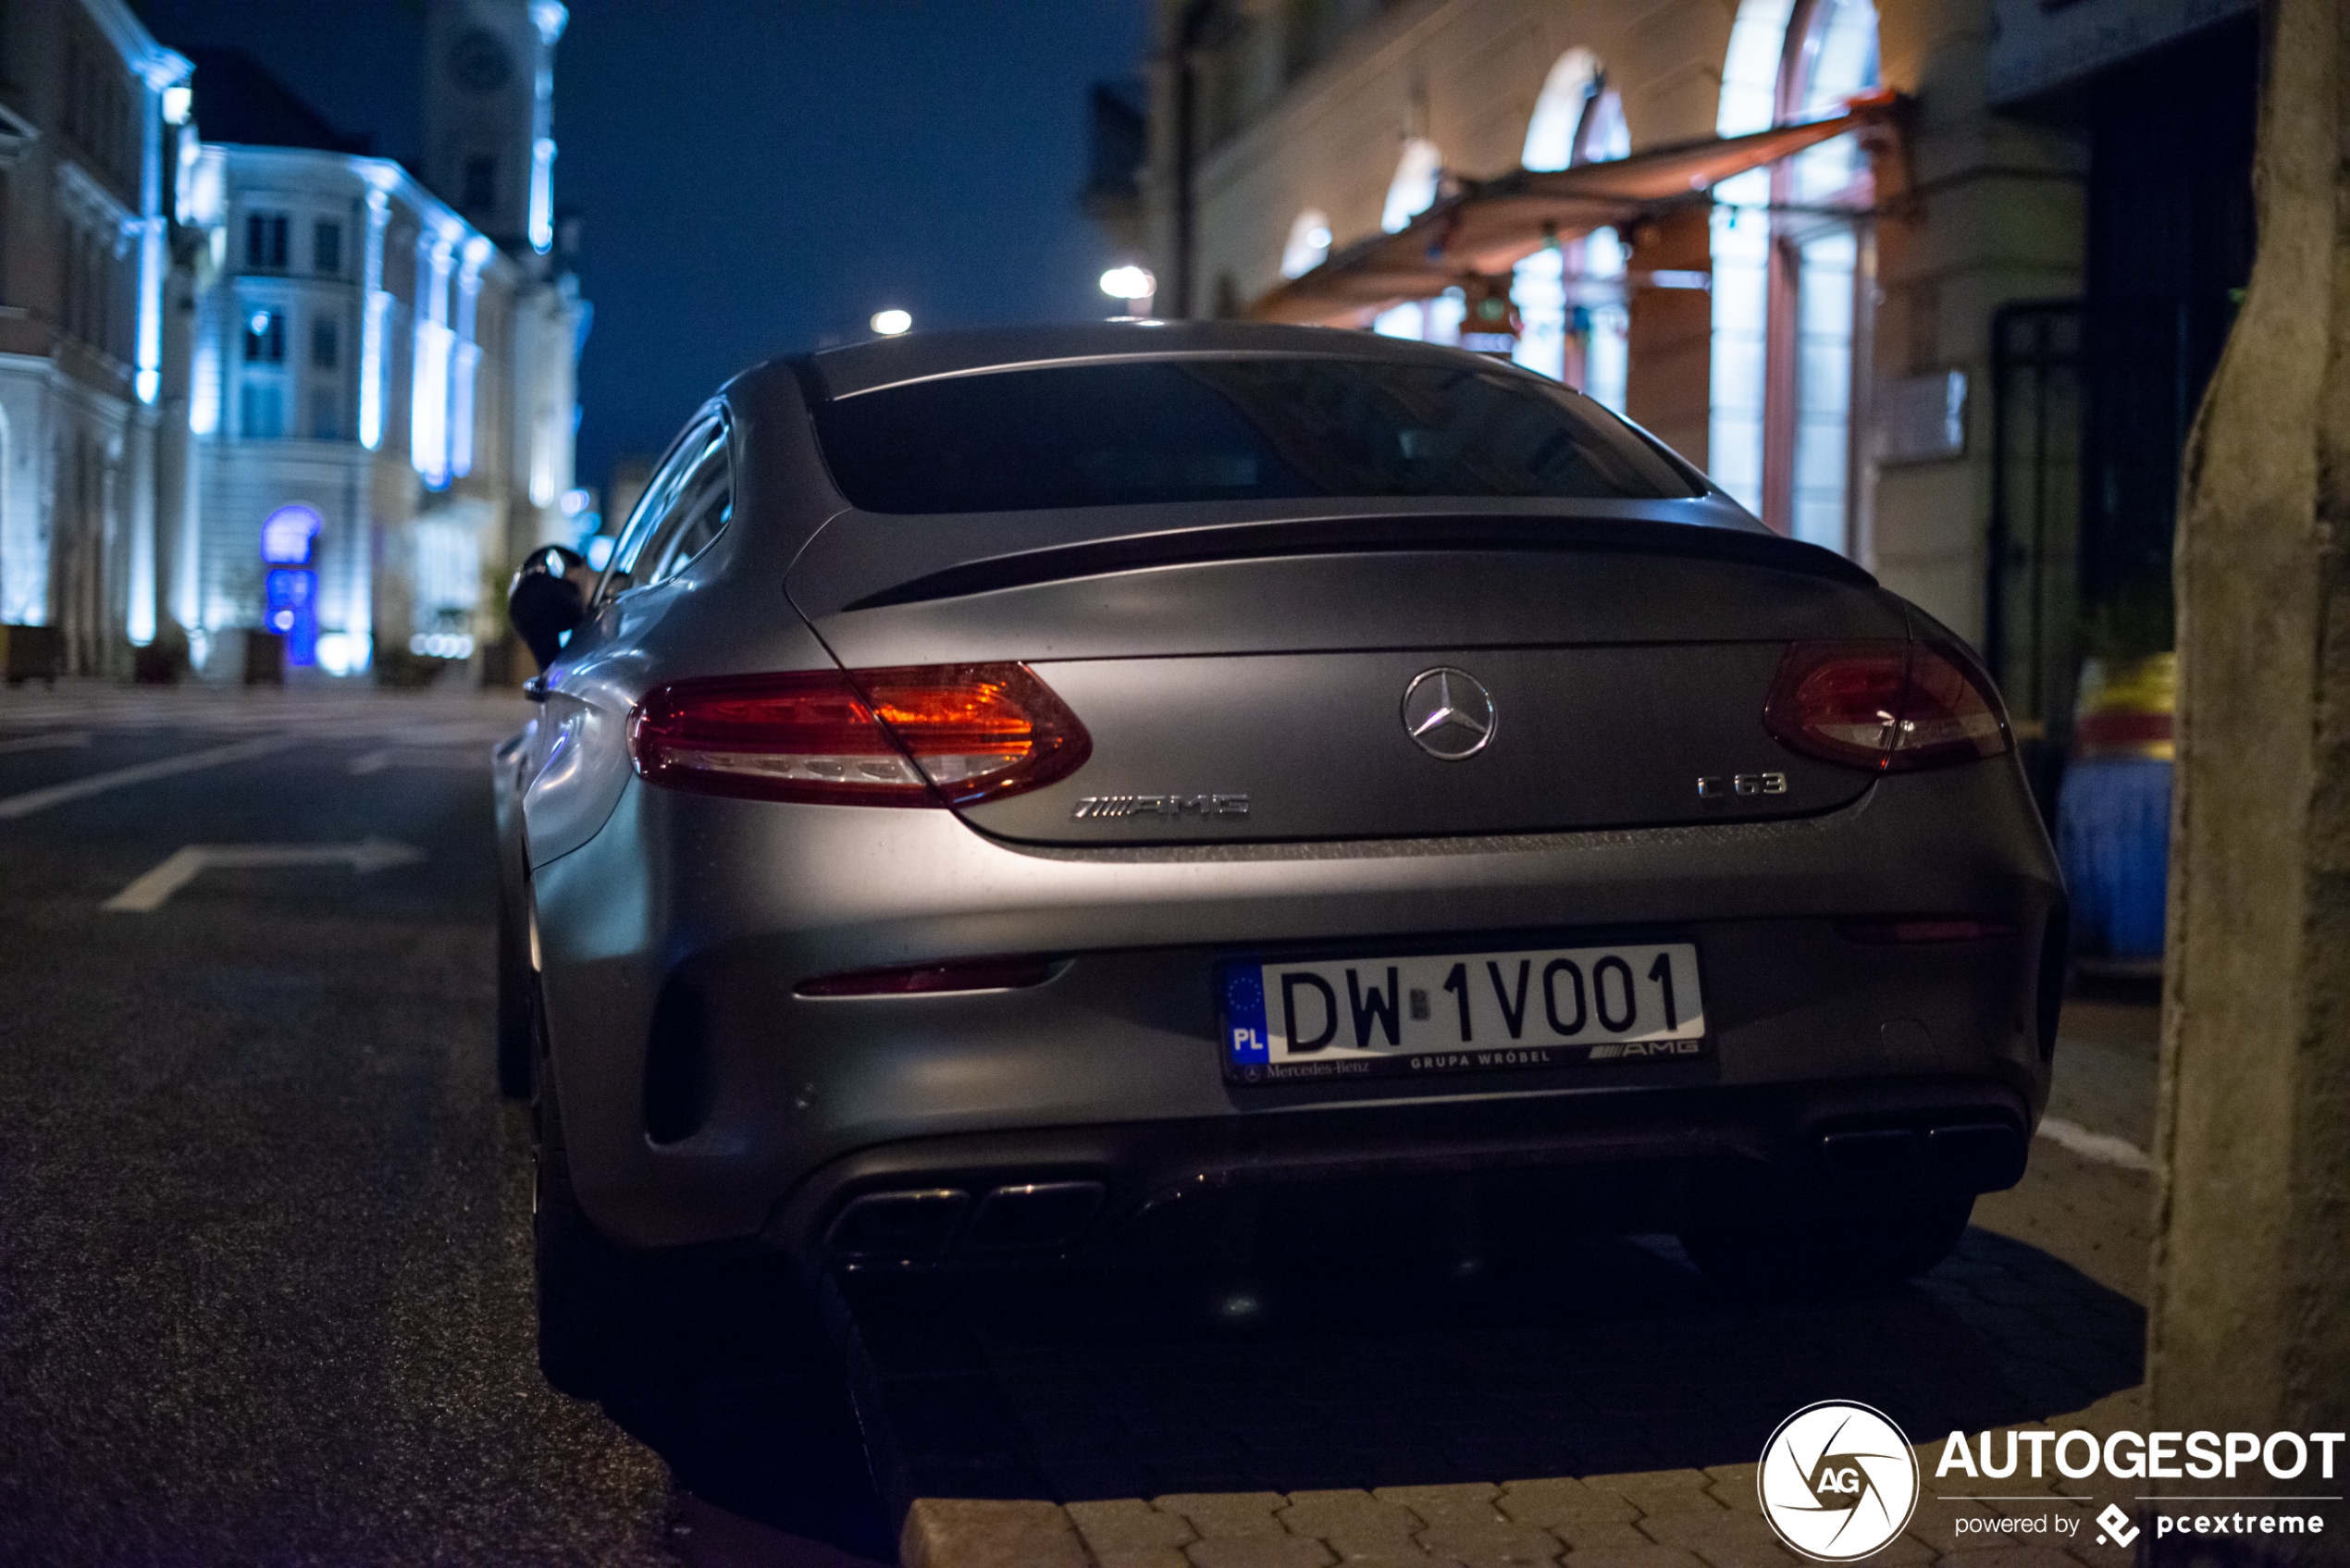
[936, 734]
[1888, 707]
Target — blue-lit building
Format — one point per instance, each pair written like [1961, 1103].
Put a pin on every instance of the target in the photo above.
[381, 383]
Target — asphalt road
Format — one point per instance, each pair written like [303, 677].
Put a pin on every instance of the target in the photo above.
[264, 1276]
[264, 1236]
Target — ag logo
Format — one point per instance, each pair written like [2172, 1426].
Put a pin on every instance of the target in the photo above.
[1837, 1481]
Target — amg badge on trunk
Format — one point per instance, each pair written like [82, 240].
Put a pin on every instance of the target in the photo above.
[1161, 805]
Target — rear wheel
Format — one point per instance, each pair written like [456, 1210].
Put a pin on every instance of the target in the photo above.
[1828, 1254]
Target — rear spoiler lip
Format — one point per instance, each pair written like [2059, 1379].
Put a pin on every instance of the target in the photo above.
[1257, 541]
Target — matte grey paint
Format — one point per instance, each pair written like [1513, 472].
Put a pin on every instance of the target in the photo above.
[1609, 736]
[637, 888]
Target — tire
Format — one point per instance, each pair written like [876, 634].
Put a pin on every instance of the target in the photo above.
[517, 1033]
[587, 1288]
[1828, 1254]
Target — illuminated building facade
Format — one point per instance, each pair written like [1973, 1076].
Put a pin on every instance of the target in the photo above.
[85, 95]
[382, 384]
[253, 377]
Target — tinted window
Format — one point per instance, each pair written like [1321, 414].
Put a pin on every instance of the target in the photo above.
[689, 494]
[1228, 429]
[705, 505]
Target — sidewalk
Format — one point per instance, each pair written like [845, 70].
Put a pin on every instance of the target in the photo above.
[1656, 1519]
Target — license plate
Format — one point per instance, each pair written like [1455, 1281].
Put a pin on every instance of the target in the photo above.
[1353, 1018]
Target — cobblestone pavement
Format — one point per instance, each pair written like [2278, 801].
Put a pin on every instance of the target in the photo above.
[1677, 1518]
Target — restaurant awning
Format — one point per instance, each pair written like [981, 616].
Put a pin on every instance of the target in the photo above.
[1489, 226]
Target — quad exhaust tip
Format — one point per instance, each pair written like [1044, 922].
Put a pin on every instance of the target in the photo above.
[1960, 1157]
[929, 1221]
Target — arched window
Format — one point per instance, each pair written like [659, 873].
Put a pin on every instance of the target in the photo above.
[1570, 296]
[1418, 173]
[1550, 135]
[1413, 190]
[1308, 245]
[1787, 269]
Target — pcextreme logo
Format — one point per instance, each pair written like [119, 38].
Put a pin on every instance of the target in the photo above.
[2306, 1462]
[1837, 1481]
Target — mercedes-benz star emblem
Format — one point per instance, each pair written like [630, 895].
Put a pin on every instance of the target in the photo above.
[1448, 714]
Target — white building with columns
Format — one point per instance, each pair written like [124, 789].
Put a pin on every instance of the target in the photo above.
[83, 194]
[252, 377]
[382, 392]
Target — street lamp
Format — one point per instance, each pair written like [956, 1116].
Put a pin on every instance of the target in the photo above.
[1133, 284]
[890, 322]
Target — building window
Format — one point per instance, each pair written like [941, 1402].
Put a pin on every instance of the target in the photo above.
[1571, 295]
[1308, 245]
[266, 242]
[1418, 173]
[325, 247]
[326, 342]
[266, 337]
[261, 408]
[482, 184]
[326, 415]
[1786, 310]
[101, 296]
[70, 281]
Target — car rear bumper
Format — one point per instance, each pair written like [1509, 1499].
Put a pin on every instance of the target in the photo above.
[1455, 1178]
[705, 1102]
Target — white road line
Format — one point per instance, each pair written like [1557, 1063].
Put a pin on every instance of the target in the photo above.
[2103, 1147]
[152, 890]
[415, 757]
[57, 740]
[97, 784]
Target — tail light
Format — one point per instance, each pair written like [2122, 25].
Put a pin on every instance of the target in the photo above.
[943, 734]
[1885, 706]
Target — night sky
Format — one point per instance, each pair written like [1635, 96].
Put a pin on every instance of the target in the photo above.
[757, 175]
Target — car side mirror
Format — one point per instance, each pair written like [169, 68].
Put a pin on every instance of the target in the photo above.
[544, 604]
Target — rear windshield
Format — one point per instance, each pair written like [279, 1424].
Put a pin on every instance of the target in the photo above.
[1229, 429]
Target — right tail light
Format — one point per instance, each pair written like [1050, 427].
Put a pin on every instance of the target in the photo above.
[1885, 706]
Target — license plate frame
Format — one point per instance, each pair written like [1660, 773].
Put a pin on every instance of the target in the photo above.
[1506, 1009]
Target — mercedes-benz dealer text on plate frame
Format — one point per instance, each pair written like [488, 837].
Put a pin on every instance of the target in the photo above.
[1093, 794]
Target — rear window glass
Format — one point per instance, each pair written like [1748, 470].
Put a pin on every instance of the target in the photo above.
[1228, 429]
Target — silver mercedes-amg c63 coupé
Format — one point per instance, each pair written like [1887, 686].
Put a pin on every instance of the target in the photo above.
[1097, 794]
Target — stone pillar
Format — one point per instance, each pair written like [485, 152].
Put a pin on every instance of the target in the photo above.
[2250, 1327]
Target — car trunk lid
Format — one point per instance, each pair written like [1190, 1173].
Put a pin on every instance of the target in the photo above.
[1248, 680]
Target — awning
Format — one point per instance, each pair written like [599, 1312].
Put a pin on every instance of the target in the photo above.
[1492, 225]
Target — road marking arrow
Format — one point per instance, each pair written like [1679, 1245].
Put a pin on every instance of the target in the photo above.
[149, 892]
